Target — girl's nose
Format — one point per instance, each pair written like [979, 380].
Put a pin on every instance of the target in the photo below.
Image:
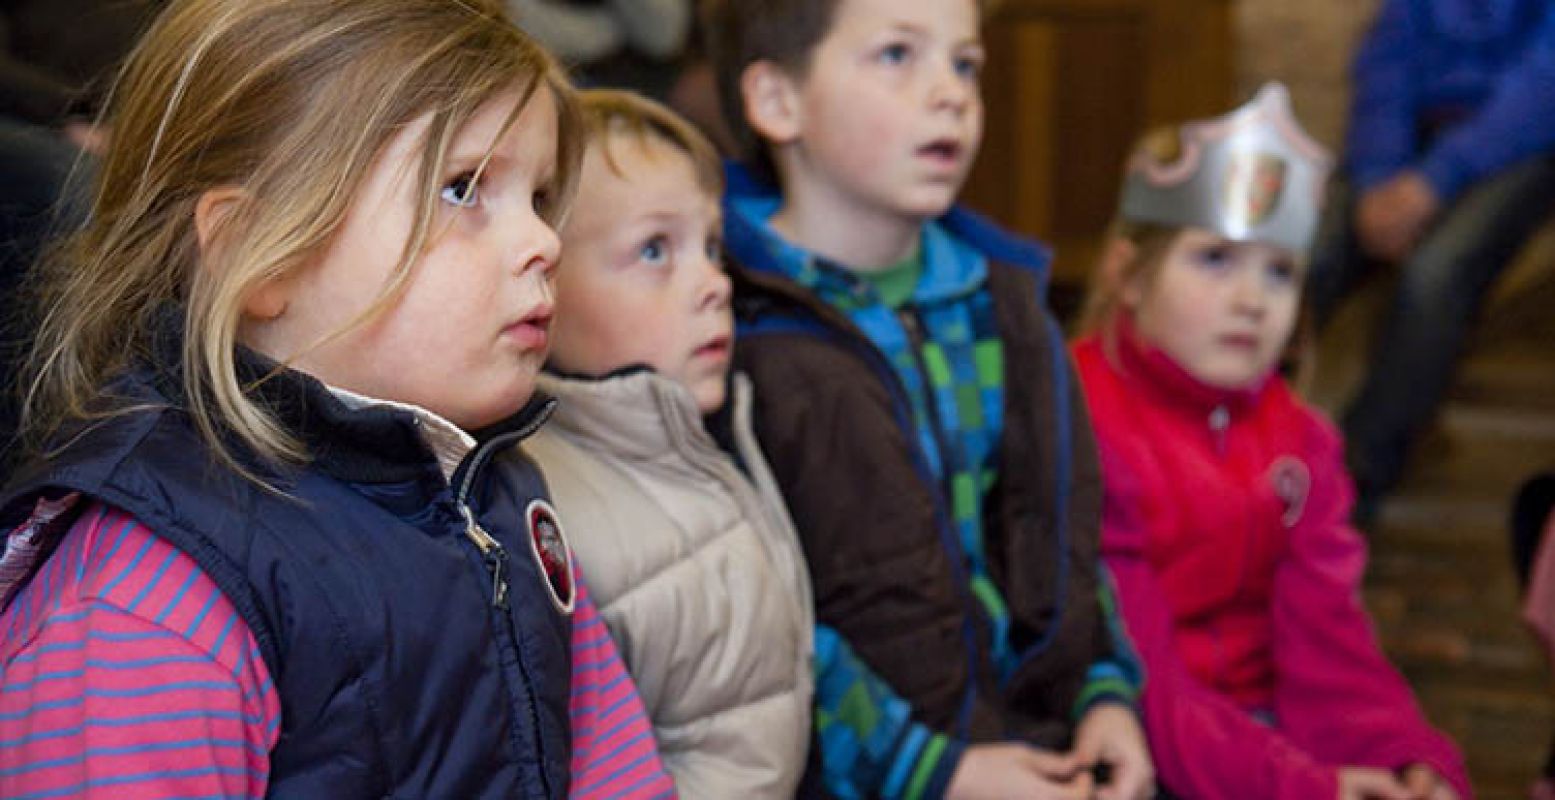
[541, 249]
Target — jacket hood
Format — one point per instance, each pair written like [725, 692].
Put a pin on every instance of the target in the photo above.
[957, 245]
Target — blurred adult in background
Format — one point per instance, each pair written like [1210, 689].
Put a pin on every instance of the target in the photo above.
[628, 44]
[1449, 168]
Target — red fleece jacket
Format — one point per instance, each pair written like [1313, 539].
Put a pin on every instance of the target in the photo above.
[1239, 579]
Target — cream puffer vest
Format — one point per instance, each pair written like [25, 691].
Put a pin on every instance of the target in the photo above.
[698, 574]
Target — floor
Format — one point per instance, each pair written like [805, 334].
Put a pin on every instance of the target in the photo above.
[1441, 585]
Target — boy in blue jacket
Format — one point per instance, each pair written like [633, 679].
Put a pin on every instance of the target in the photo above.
[1450, 167]
[918, 408]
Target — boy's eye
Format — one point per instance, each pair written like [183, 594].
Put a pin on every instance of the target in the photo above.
[895, 53]
[461, 191]
[655, 251]
[969, 67]
[715, 249]
[541, 202]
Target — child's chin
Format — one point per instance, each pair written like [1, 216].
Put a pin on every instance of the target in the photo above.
[930, 207]
[710, 397]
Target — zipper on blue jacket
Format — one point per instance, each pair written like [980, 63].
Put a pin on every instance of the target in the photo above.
[495, 558]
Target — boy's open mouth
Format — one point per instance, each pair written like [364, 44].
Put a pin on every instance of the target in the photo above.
[714, 347]
[948, 150]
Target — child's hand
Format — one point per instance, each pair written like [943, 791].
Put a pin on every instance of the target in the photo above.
[1109, 733]
[1425, 784]
[1011, 771]
[1370, 783]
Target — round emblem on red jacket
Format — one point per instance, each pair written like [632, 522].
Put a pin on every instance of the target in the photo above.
[1292, 482]
[551, 553]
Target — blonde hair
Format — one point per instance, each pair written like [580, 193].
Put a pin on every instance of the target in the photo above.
[290, 101]
[1150, 242]
[611, 112]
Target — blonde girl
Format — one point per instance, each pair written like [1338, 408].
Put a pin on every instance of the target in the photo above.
[261, 549]
[1224, 520]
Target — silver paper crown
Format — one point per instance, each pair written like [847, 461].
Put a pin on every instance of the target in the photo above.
[1252, 175]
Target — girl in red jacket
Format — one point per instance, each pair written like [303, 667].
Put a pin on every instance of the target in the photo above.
[1226, 499]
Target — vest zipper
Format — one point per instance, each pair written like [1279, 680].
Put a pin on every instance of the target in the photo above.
[492, 552]
[914, 331]
[970, 562]
[495, 558]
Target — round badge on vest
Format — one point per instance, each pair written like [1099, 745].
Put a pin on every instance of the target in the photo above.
[552, 555]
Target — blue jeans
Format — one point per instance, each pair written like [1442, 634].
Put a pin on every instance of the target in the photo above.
[1440, 288]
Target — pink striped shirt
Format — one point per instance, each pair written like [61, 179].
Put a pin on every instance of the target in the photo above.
[125, 673]
[613, 750]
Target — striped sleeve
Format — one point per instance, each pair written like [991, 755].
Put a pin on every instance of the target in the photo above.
[613, 750]
[870, 746]
[1117, 679]
[125, 673]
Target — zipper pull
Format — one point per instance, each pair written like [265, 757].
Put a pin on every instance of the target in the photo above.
[494, 554]
[1219, 420]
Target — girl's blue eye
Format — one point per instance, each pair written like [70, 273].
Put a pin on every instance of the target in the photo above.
[969, 68]
[894, 53]
[1283, 272]
[461, 191]
[715, 249]
[1214, 256]
[654, 251]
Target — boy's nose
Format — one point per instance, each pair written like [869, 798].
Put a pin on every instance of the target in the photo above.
[951, 90]
[717, 288]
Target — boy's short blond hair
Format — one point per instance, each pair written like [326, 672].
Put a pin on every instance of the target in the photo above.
[609, 112]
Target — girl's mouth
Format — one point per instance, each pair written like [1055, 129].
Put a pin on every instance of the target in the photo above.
[533, 331]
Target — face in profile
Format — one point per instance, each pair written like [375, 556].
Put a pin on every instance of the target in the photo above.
[642, 279]
[467, 333]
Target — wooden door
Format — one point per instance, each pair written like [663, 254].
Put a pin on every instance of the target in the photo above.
[1069, 85]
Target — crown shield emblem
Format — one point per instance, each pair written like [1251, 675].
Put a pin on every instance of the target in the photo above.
[1252, 175]
[1254, 183]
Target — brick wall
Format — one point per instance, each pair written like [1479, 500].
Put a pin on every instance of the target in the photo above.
[1307, 44]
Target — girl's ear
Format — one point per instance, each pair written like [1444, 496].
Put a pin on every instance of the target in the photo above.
[1116, 258]
[771, 102]
[212, 211]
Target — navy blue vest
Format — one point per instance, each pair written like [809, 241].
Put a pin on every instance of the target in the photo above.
[411, 662]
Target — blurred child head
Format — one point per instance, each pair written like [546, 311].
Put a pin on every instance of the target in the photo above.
[364, 191]
[874, 103]
[1207, 263]
[642, 281]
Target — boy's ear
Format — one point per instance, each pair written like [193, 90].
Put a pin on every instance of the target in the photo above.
[771, 102]
[1118, 254]
[212, 211]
